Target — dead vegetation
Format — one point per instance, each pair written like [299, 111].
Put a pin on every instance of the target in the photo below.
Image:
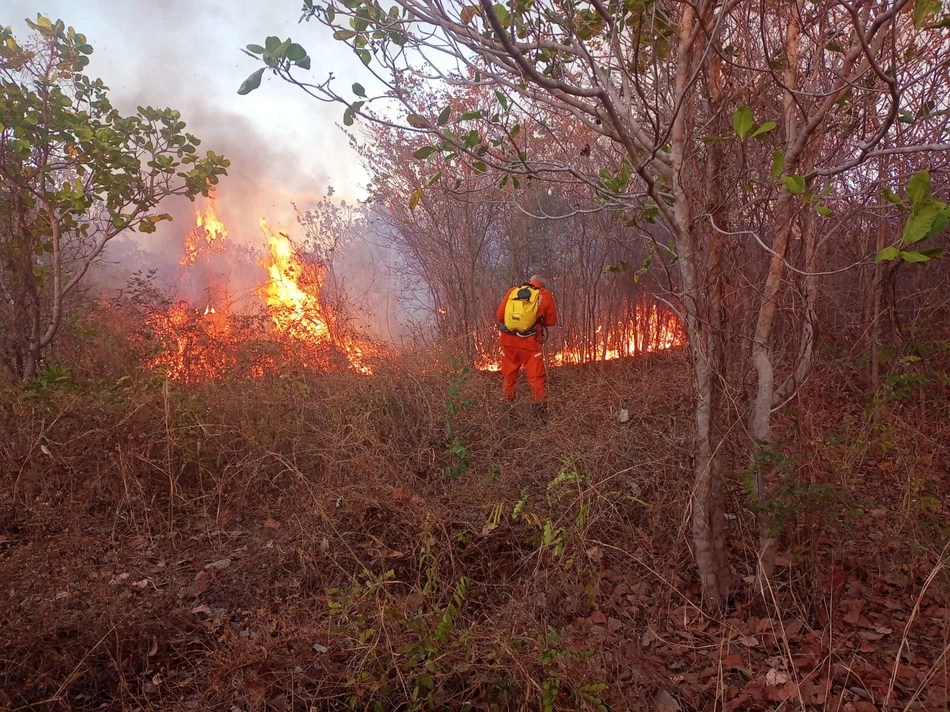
[313, 541]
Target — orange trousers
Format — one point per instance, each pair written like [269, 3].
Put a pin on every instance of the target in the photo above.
[532, 361]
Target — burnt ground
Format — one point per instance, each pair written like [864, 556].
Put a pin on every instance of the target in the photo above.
[311, 542]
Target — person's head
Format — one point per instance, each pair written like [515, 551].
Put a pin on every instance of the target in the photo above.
[538, 280]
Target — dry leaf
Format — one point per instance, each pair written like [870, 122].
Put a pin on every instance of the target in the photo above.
[154, 649]
[792, 628]
[731, 660]
[598, 618]
[782, 692]
[649, 635]
[400, 494]
[202, 580]
[665, 702]
[219, 565]
[776, 677]
[201, 609]
[749, 642]
[271, 524]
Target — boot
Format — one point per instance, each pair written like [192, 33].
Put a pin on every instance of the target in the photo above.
[540, 411]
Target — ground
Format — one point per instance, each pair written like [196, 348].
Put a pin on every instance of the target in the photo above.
[312, 542]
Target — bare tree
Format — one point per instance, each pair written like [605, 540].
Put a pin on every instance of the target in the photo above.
[733, 124]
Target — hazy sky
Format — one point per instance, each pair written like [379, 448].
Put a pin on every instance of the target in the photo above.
[186, 54]
[284, 146]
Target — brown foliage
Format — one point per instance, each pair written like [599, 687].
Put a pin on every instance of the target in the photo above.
[293, 542]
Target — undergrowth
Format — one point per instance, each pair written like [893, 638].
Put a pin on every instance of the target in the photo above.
[335, 541]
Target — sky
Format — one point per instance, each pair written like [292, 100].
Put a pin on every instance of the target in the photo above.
[284, 146]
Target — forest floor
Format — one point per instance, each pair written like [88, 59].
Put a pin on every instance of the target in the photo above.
[325, 542]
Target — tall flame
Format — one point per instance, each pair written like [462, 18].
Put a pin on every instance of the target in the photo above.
[292, 296]
[292, 291]
[207, 235]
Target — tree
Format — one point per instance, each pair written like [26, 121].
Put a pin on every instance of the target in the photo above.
[74, 173]
[735, 125]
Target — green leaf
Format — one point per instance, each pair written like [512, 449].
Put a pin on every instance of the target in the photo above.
[921, 222]
[922, 10]
[886, 255]
[344, 35]
[304, 63]
[358, 90]
[252, 82]
[823, 211]
[424, 152]
[918, 187]
[764, 128]
[944, 22]
[742, 121]
[795, 184]
[893, 197]
[502, 99]
[913, 257]
[501, 12]
[480, 166]
[414, 199]
[295, 52]
[272, 43]
[255, 49]
[469, 115]
[940, 224]
[433, 179]
[444, 116]
[778, 163]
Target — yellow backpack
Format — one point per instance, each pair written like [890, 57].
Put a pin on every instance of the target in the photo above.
[521, 310]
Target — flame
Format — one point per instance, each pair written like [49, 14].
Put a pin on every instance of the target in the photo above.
[208, 234]
[292, 291]
[295, 329]
[292, 296]
[195, 344]
[651, 328]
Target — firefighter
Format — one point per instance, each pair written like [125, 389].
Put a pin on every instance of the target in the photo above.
[521, 344]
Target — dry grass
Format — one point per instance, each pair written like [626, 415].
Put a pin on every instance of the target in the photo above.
[294, 542]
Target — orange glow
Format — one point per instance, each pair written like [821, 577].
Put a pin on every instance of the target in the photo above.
[296, 328]
[194, 345]
[292, 291]
[651, 328]
[292, 296]
[208, 234]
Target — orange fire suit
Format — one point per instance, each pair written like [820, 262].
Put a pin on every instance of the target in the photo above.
[525, 351]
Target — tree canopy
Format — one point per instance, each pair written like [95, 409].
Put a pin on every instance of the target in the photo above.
[74, 174]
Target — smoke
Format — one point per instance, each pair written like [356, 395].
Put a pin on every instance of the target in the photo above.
[285, 148]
